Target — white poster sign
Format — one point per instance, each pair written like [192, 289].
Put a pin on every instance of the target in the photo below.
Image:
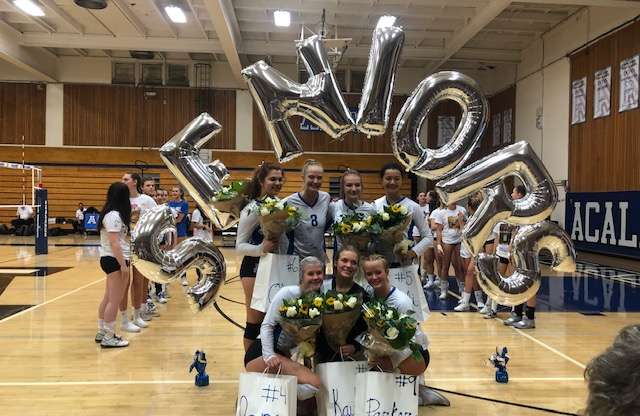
[446, 128]
[579, 101]
[506, 125]
[497, 124]
[629, 83]
[602, 95]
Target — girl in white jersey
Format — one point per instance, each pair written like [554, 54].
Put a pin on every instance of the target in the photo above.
[426, 260]
[266, 181]
[391, 176]
[273, 350]
[470, 282]
[349, 202]
[114, 261]
[450, 222]
[376, 269]
[435, 212]
[139, 204]
[307, 239]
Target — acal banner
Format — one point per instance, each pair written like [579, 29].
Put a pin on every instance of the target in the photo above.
[604, 222]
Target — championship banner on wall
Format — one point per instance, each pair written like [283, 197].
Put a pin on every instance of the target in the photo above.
[604, 222]
[602, 96]
[578, 101]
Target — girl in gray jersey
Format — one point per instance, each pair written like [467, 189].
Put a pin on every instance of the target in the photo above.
[349, 202]
[307, 239]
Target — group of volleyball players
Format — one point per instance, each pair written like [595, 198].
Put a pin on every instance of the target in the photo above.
[126, 201]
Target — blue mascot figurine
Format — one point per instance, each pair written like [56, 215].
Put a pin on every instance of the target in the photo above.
[200, 363]
[500, 360]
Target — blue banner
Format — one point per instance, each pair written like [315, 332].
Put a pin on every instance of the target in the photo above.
[604, 222]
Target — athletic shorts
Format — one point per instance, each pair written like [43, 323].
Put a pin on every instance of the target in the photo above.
[249, 266]
[255, 349]
[109, 264]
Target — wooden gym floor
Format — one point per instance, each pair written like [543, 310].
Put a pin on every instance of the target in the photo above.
[50, 365]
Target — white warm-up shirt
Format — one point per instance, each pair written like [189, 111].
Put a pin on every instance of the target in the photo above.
[112, 223]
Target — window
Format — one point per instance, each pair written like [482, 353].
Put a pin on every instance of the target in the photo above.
[124, 73]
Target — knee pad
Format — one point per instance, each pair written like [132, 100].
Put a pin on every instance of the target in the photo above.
[251, 331]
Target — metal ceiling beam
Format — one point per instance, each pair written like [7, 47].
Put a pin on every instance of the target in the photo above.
[131, 17]
[37, 61]
[631, 4]
[226, 26]
[36, 20]
[472, 28]
[51, 5]
[163, 17]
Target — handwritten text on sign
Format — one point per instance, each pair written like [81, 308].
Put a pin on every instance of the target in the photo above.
[384, 394]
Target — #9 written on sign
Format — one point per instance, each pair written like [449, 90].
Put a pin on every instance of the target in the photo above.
[268, 396]
[377, 406]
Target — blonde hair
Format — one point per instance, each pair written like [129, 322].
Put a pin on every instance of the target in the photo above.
[310, 162]
[376, 257]
[346, 173]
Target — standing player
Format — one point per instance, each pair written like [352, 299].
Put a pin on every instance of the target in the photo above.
[307, 239]
[180, 209]
[450, 222]
[392, 175]
[426, 260]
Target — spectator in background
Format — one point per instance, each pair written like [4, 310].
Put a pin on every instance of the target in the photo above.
[149, 189]
[158, 196]
[201, 226]
[78, 224]
[614, 377]
[24, 216]
[180, 209]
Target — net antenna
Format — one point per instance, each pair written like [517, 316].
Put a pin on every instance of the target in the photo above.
[335, 46]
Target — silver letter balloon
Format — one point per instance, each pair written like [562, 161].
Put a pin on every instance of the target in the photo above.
[320, 101]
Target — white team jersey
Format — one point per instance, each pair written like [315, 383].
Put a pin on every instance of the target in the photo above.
[339, 208]
[416, 233]
[417, 217]
[448, 218]
[141, 203]
[112, 223]
[504, 233]
[307, 239]
[196, 218]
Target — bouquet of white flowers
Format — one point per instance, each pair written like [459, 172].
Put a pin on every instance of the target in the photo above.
[276, 217]
[390, 227]
[341, 311]
[301, 320]
[355, 230]
[388, 330]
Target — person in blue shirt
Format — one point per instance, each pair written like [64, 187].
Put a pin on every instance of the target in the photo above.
[180, 209]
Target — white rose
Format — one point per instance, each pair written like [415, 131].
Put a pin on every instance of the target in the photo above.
[264, 211]
[392, 333]
[389, 314]
[352, 302]
[337, 305]
[313, 312]
[280, 206]
[356, 227]
[300, 302]
[403, 210]
[385, 216]
[340, 296]
[291, 311]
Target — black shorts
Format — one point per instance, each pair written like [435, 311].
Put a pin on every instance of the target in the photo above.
[425, 356]
[486, 243]
[109, 264]
[503, 260]
[255, 349]
[249, 266]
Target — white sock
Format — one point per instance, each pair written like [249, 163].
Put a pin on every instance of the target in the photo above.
[100, 323]
[478, 295]
[466, 297]
[124, 317]
[494, 306]
[136, 313]
[431, 277]
[109, 327]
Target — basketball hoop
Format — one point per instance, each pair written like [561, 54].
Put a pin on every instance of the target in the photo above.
[335, 47]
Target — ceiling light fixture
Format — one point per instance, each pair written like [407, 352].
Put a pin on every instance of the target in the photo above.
[282, 18]
[176, 14]
[91, 4]
[386, 21]
[29, 7]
